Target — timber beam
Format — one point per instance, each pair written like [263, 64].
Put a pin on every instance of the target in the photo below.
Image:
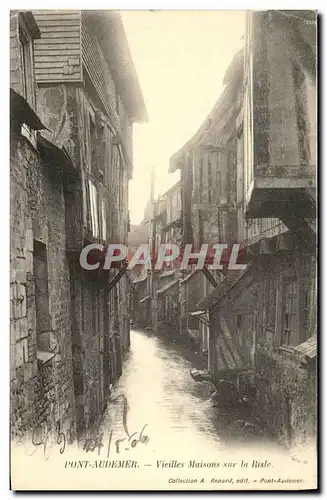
[118, 277]
[209, 276]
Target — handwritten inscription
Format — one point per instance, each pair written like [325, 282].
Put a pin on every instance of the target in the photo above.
[43, 436]
[93, 443]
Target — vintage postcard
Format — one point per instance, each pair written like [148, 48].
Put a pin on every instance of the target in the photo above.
[163, 284]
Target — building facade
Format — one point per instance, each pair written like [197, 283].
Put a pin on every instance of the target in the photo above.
[280, 183]
[261, 320]
[168, 231]
[69, 184]
[208, 168]
[156, 295]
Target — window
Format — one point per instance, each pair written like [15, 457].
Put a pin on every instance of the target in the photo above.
[230, 172]
[210, 186]
[94, 209]
[27, 73]
[114, 164]
[248, 130]
[40, 268]
[239, 153]
[104, 218]
[121, 199]
[93, 144]
[301, 114]
[117, 102]
[94, 308]
[270, 303]
[201, 227]
[239, 326]
[26, 55]
[219, 186]
[201, 179]
[103, 152]
[289, 312]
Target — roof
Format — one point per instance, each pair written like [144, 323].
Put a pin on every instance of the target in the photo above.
[29, 20]
[168, 286]
[177, 222]
[175, 187]
[139, 279]
[213, 117]
[190, 276]
[309, 347]
[167, 273]
[194, 314]
[229, 355]
[224, 288]
[21, 112]
[111, 33]
[234, 67]
[54, 154]
[145, 299]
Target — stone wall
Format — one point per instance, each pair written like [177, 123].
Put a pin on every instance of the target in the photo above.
[42, 392]
[15, 59]
[286, 398]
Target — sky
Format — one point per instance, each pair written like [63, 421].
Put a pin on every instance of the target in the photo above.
[180, 58]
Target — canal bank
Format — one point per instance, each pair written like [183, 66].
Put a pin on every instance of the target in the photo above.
[157, 409]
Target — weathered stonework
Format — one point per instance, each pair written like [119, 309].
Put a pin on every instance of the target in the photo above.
[40, 392]
[69, 187]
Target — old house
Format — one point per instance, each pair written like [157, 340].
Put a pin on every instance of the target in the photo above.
[141, 299]
[280, 182]
[209, 195]
[156, 296]
[41, 362]
[168, 232]
[86, 98]
[269, 311]
[139, 280]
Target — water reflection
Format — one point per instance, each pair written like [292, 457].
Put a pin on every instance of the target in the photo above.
[175, 409]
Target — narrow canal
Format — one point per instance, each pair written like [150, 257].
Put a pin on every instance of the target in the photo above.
[157, 394]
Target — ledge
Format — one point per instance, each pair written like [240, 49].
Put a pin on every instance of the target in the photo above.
[21, 112]
[44, 356]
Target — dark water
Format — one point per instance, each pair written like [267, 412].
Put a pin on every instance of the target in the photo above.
[175, 409]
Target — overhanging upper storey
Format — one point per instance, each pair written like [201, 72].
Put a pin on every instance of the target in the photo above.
[280, 112]
[74, 41]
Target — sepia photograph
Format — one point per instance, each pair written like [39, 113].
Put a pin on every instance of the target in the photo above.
[163, 250]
